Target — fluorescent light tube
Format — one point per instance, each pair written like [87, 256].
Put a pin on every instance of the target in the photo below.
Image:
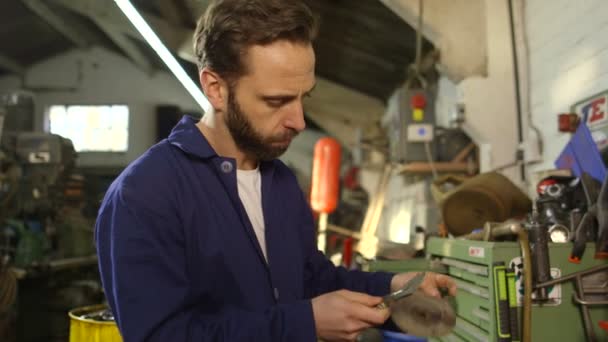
[146, 31]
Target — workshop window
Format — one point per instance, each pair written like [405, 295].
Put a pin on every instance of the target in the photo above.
[91, 128]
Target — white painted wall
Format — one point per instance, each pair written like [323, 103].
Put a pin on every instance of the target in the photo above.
[455, 27]
[102, 77]
[568, 50]
[491, 111]
[491, 115]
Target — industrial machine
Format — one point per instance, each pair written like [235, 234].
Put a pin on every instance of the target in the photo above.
[46, 243]
[490, 279]
[35, 170]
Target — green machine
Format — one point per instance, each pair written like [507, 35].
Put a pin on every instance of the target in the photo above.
[489, 276]
[490, 282]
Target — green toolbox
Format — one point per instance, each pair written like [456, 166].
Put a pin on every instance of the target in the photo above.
[490, 291]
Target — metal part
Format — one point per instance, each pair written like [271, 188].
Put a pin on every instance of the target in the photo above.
[343, 231]
[555, 190]
[322, 235]
[572, 276]
[579, 296]
[578, 285]
[559, 233]
[105, 315]
[492, 231]
[410, 287]
[422, 315]
[589, 302]
[597, 210]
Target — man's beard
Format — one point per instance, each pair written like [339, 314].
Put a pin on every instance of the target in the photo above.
[247, 139]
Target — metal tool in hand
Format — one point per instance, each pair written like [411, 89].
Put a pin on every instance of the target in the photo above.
[410, 287]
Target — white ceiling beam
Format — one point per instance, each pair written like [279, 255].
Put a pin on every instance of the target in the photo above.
[342, 111]
[172, 36]
[344, 103]
[11, 65]
[114, 24]
[127, 46]
[57, 22]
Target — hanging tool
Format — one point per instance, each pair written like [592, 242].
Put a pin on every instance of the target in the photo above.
[539, 238]
[597, 212]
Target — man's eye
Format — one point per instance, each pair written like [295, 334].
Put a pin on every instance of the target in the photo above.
[275, 103]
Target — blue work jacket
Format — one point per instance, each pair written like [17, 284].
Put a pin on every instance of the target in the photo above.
[180, 261]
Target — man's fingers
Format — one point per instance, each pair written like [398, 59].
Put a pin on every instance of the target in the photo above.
[446, 282]
[430, 290]
[362, 308]
[370, 315]
[433, 282]
[361, 298]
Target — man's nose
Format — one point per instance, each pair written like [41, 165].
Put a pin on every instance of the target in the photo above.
[295, 120]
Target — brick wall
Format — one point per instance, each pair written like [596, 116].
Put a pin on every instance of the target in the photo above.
[568, 51]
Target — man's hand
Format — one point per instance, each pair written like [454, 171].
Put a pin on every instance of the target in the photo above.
[431, 284]
[342, 315]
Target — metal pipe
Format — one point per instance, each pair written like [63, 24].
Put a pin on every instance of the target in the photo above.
[72, 262]
[491, 231]
[562, 279]
[588, 302]
[368, 242]
[596, 290]
[520, 129]
[585, 311]
[343, 231]
[322, 236]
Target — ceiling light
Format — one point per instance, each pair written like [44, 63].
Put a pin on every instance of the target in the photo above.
[167, 57]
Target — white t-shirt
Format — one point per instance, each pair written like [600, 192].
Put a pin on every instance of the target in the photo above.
[250, 191]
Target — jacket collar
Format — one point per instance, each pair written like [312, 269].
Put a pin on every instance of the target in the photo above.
[189, 138]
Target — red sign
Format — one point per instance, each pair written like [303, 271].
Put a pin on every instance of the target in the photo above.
[594, 111]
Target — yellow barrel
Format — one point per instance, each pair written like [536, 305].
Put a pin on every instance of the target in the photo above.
[88, 330]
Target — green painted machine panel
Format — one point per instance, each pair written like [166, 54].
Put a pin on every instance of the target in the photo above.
[471, 277]
[473, 309]
[470, 331]
[399, 266]
[469, 261]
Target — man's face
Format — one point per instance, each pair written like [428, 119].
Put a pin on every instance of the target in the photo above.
[264, 110]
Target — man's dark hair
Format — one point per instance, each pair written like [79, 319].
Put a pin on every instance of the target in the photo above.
[229, 27]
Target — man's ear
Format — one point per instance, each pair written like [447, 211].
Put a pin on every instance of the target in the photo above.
[214, 87]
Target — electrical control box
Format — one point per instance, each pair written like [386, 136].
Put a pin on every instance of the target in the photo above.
[410, 123]
[420, 133]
